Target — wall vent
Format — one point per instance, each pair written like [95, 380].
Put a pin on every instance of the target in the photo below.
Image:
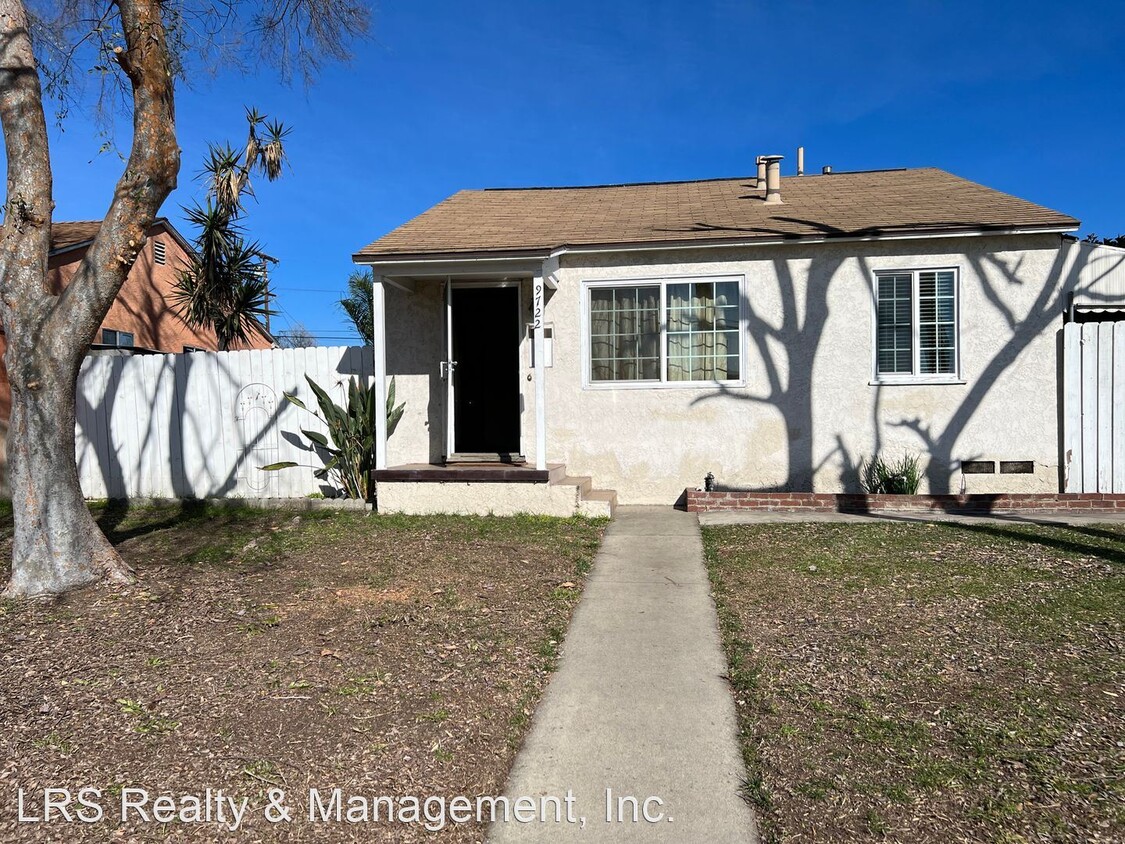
[159, 253]
[978, 467]
[1017, 467]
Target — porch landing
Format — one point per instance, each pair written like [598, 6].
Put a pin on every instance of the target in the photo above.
[481, 489]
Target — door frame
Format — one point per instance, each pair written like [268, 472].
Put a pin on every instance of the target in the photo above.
[451, 364]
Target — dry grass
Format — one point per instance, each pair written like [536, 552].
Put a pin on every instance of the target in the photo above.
[928, 683]
[380, 655]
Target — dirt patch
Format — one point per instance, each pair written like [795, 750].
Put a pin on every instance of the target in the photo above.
[928, 683]
[382, 656]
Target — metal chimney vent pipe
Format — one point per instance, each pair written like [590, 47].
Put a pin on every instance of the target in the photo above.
[773, 178]
[761, 172]
[800, 161]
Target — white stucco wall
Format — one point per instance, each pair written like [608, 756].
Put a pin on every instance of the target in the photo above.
[822, 415]
[415, 345]
[826, 415]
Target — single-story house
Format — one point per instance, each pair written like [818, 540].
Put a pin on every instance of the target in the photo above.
[771, 332]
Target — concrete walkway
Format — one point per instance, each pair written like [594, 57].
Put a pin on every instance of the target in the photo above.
[639, 704]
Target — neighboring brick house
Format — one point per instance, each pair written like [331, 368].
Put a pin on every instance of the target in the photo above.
[142, 318]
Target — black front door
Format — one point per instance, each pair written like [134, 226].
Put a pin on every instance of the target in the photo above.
[486, 401]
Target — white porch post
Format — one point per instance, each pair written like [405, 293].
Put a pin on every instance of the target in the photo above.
[379, 370]
[537, 296]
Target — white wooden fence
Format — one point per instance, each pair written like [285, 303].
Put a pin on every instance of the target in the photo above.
[1094, 407]
[201, 424]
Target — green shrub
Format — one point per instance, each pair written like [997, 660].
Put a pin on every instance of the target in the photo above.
[349, 449]
[888, 477]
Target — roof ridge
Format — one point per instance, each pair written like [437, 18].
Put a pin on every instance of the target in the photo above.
[687, 181]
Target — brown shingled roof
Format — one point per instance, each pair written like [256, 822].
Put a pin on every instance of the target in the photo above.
[71, 234]
[865, 204]
[67, 235]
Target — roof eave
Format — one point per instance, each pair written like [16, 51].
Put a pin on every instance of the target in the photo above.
[377, 258]
[159, 221]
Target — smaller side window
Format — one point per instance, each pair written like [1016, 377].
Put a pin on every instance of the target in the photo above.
[112, 337]
[190, 349]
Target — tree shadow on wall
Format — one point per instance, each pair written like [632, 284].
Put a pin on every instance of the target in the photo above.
[789, 346]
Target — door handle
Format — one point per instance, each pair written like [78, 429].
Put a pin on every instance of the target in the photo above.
[447, 367]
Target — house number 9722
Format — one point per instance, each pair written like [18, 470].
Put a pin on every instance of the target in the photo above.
[537, 306]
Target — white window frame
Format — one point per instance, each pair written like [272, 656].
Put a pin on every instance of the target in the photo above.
[662, 281]
[117, 332]
[915, 377]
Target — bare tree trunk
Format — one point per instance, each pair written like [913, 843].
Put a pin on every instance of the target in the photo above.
[57, 545]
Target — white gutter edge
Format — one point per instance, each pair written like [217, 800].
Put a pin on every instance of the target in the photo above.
[658, 246]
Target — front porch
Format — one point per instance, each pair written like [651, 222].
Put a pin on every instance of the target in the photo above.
[467, 346]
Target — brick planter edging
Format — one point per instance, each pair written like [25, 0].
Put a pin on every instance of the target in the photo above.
[699, 501]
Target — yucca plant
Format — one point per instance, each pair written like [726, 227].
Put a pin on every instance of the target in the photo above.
[349, 448]
[887, 477]
[225, 288]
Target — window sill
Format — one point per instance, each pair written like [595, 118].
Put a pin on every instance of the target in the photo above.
[663, 385]
[921, 381]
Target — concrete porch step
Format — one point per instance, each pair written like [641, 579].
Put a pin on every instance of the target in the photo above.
[595, 503]
[483, 489]
[598, 503]
[581, 481]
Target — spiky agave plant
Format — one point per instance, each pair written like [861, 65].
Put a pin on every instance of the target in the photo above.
[349, 449]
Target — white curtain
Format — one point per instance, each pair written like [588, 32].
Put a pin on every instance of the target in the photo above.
[702, 331]
[625, 333]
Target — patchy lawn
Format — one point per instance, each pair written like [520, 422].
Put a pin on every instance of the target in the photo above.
[381, 655]
[928, 682]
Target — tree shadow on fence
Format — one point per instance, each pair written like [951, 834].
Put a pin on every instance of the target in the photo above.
[220, 452]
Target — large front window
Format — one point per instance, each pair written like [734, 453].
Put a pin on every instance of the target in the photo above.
[665, 331]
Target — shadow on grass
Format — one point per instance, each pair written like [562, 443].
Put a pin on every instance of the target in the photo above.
[1059, 537]
[114, 516]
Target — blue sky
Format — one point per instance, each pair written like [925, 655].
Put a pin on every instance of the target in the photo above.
[1026, 97]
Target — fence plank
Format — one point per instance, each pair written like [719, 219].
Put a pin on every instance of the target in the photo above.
[1089, 407]
[1105, 407]
[1072, 406]
[1118, 403]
